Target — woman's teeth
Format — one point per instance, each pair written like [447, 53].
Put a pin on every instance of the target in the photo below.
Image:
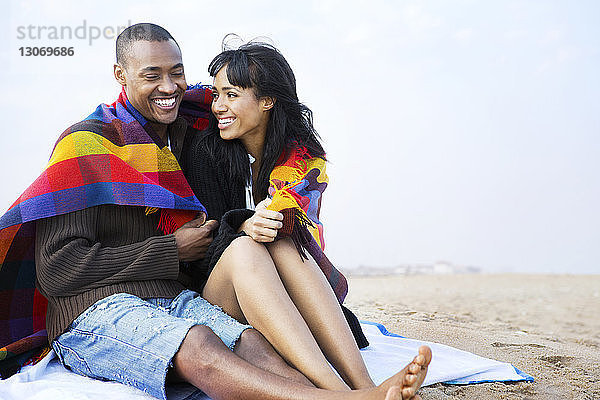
[226, 121]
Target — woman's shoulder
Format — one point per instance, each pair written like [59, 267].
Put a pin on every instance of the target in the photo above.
[195, 155]
[197, 136]
[199, 143]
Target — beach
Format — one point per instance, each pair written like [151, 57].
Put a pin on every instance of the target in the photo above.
[545, 325]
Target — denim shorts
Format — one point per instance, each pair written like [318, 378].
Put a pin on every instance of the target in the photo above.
[129, 340]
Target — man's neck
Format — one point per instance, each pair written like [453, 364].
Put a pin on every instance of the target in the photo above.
[160, 130]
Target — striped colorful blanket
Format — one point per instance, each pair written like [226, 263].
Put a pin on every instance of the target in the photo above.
[296, 185]
[111, 157]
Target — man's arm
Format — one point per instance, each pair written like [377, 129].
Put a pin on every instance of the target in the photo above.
[193, 238]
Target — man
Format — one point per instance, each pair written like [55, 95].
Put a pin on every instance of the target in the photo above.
[113, 220]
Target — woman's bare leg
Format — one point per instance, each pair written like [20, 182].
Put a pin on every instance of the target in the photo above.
[318, 305]
[246, 284]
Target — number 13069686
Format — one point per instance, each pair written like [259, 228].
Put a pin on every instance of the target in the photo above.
[46, 51]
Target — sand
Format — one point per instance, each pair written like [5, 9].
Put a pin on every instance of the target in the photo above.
[545, 325]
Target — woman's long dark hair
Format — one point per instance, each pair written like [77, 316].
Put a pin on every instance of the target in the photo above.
[262, 68]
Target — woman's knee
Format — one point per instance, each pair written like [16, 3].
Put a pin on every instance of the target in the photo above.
[284, 244]
[244, 255]
[245, 244]
[284, 250]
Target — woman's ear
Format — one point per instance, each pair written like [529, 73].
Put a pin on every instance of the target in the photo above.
[267, 103]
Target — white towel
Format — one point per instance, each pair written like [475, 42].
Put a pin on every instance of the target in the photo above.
[387, 354]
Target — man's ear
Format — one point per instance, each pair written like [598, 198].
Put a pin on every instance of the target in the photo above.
[268, 103]
[119, 73]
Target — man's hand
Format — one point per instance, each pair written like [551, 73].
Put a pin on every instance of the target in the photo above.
[193, 238]
[264, 224]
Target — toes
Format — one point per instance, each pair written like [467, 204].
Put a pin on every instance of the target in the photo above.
[420, 359]
[414, 368]
[408, 393]
[394, 393]
[409, 379]
[425, 351]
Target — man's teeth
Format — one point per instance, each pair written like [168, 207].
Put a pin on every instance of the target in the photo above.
[226, 121]
[165, 102]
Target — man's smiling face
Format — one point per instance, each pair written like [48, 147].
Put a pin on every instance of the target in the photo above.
[154, 79]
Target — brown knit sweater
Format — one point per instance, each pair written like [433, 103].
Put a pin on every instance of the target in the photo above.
[87, 255]
[84, 256]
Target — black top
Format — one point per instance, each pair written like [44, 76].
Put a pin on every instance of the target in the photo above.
[225, 201]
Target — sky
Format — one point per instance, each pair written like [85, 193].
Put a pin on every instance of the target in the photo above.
[465, 132]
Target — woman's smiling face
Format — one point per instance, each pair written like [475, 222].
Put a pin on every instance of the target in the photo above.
[241, 115]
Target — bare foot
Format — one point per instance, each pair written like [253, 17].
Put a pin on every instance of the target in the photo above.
[417, 371]
[410, 379]
[394, 393]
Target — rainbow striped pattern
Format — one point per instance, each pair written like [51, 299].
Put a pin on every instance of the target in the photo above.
[111, 157]
[296, 185]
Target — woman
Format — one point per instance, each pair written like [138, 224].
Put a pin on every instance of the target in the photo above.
[267, 267]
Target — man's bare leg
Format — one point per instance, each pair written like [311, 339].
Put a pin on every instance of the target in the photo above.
[254, 348]
[205, 362]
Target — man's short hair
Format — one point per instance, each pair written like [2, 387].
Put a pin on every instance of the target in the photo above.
[143, 31]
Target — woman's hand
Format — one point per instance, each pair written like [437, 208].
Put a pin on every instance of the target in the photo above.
[264, 224]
